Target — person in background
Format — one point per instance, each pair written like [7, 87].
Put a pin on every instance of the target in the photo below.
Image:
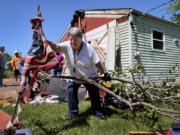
[20, 64]
[2, 64]
[82, 62]
[57, 71]
[14, 64]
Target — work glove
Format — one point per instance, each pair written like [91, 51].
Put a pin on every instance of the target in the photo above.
[107, 77]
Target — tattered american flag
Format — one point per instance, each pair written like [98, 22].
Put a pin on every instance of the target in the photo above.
[39, 57]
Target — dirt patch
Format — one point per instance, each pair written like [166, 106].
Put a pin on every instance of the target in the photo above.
[9, 90]
[55, 87]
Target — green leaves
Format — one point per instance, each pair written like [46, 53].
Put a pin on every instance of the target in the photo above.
[173, 9]
[118, 87]
[175, 67]
[8, 57]
[137, 68]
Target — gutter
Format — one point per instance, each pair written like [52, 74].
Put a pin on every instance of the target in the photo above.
[142, 14]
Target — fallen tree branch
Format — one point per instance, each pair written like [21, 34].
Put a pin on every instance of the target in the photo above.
[138, 84]
[108, 91]
[154, 107]
[171, 116]
[122, 99]
[131, 105]
[90, 81]
[167, 98]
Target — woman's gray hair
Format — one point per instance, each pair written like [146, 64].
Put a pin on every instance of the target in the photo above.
[75, 31]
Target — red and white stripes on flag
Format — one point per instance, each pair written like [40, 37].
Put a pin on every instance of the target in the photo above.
[44, 60]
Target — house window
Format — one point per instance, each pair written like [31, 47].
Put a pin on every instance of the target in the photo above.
[158, 40]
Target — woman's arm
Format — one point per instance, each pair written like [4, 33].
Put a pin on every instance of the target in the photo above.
[101, 68]
[54, 46]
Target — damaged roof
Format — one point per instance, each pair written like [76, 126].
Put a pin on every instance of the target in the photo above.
[115, 13]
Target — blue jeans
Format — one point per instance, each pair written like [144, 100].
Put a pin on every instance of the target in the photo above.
[72, 92]
[1, 75]
[20, 66]
[57, 72]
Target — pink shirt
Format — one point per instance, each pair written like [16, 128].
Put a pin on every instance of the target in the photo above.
[60, 58]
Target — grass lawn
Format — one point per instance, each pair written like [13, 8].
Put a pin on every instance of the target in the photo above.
[50, 119]
[8, 73]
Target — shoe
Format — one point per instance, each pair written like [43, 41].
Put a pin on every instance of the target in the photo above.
[100, 115]
[72, 115]
[69, 118]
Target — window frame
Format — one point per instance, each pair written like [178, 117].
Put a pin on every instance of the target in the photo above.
[152, 39]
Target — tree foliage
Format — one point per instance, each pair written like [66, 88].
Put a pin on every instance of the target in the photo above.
[155, 97]
[8, 59]
[174, 9]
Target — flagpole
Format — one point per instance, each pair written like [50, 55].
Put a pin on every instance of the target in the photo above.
[16, 106]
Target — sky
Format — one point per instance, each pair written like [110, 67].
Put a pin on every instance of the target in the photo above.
[15, 28]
